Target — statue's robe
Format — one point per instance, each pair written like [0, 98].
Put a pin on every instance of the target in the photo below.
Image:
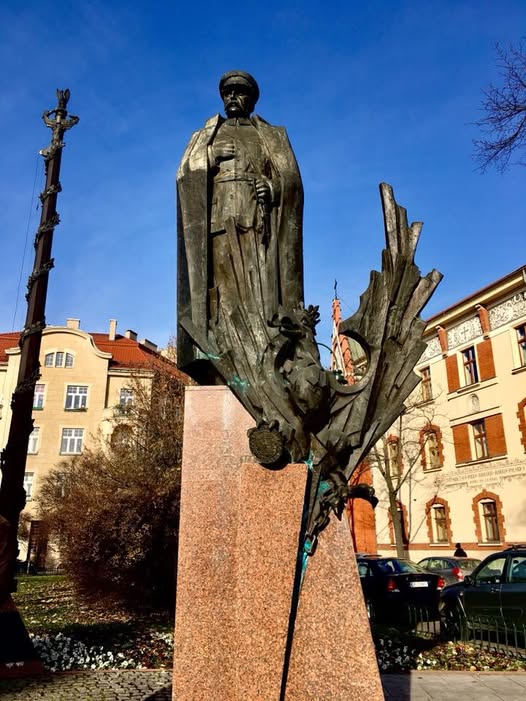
[274, 248]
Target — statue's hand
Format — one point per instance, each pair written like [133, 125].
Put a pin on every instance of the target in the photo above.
[224, 151]
[263, 191]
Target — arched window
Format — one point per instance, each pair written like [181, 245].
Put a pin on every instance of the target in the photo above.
[489, 518]
[121, 438]
[393, 458]
[438, 521]
[431, 448]
[521, 415]
[474, 404]
[402, 516]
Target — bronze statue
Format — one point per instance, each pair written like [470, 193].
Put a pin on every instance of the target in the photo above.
[241, 317]
[240, 222]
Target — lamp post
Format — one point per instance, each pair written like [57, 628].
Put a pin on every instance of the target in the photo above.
[13, 458]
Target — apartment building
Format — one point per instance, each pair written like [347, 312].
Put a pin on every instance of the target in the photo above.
[468, 481]
[458, 455]
[80, 397]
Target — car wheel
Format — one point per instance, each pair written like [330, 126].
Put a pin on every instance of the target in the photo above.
[451, 622]
[370, 610]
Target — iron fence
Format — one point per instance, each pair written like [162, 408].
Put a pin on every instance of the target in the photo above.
[491, 633]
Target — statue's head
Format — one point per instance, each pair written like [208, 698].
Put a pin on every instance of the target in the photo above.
[240, 92]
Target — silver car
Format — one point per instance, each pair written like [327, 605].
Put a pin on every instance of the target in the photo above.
[452, 569]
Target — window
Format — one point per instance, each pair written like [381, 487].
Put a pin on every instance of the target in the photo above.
[32, 446]
[518, 569]
[60, 484]
[439, 524]
[38, 397]
[480, 439]
[490, 523]
[521, 340]
[393, 458]
[76, 397]
[71, 443]
[126, 397]
[427, 390]
[121, 438]
[57, 360]
[492, 572]
[432, 453]
[28, 485]
[471, 374]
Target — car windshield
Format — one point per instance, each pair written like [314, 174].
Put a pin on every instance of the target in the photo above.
[395, 566]
[468, 564]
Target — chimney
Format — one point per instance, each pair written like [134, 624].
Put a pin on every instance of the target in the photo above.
[113, 329]
[73, 323]
[148, 344]
[130, 334]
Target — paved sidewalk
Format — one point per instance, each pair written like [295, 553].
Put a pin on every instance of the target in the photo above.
[156, 685]
[452, 686]
[102, 685]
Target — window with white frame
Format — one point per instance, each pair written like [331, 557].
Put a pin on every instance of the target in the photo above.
[38, 396]
[521, 340]
[60, 359]
[439, 520]
[71, 442]
[28, 485]
[76, 397]
[126, 397]
[32, 446]
[489, 521]
[469, 359]
[480, 439]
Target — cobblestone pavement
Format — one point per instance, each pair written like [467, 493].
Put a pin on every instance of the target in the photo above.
[156, 685]
[102, 685]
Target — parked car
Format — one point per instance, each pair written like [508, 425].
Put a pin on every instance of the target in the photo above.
[395, 589]
[452, 569]
[492, 596]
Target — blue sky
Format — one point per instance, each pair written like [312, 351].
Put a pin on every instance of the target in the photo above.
[369, 92]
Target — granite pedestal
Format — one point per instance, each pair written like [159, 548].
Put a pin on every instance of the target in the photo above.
[239, 533]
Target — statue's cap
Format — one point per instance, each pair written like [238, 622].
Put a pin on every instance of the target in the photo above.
[239, 77]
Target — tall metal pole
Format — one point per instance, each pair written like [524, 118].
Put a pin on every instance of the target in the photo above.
[13, 459]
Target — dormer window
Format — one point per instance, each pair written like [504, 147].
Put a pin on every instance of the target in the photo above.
[60, 359]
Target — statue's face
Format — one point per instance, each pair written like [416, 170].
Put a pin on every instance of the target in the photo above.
[238, 100]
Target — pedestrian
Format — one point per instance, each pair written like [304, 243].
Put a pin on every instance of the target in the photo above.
[460, 552]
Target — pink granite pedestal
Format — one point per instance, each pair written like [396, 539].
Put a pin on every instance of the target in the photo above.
[239, 533]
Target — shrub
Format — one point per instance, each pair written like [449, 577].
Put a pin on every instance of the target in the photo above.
[114, 509]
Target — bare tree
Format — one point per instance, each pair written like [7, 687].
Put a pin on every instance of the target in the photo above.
[114, 509]
[412, 441]
[504, 106]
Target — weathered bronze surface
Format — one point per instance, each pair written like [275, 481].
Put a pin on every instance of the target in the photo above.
[242, 320]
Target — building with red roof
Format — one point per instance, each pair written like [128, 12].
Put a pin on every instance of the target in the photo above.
[82, 393]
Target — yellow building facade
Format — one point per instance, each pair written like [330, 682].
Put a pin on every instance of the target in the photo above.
[80, 397]
[467, 482]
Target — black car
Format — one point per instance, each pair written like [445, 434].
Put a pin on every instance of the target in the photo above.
[452, 569]
[396, 589]
[494, 595]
